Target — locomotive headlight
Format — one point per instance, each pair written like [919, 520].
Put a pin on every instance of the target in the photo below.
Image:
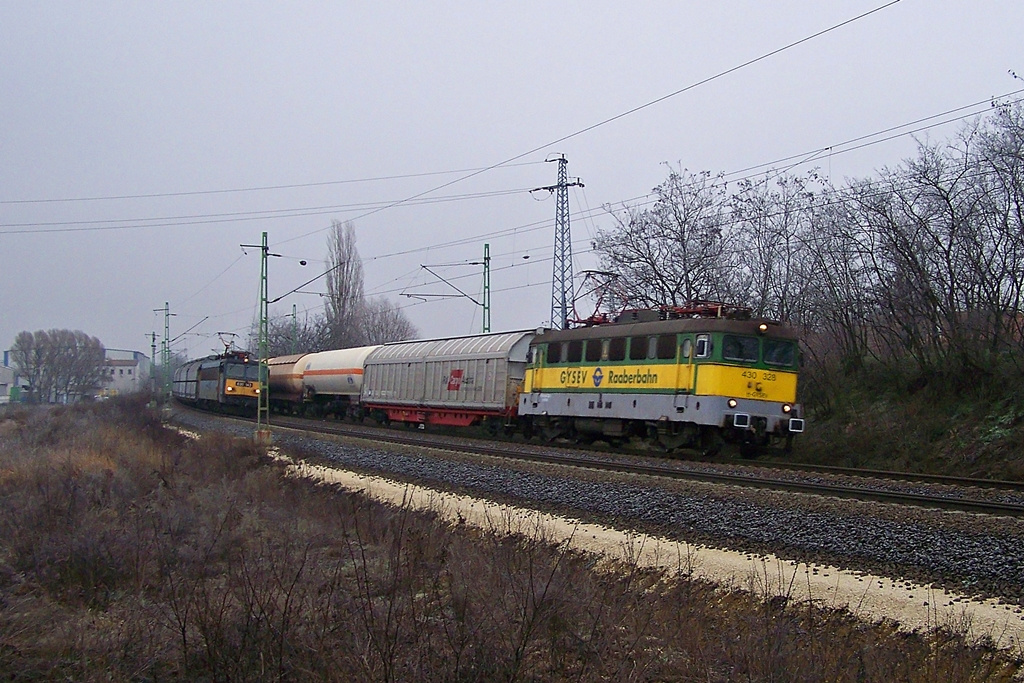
[762, 328]
[786, 407]
[732, 403]
[257, 391]
[230, 389]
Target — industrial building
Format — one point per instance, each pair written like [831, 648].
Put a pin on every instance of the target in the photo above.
[126, 372]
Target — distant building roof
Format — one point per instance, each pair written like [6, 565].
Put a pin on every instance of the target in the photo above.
[122, 363]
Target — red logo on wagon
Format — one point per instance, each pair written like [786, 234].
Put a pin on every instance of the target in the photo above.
[455, 380]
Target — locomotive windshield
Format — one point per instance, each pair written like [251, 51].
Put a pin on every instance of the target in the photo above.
[779, 352]
[743, 349]
[239, 371]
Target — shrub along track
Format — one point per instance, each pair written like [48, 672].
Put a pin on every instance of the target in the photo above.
[748, 508]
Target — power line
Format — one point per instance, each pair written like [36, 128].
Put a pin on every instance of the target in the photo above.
[264, 188]
[231, 217]
[624, 114]
[104, 225]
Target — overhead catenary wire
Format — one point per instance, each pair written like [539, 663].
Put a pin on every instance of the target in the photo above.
[261, 188]
[236, 216]
[651, 103]
[728, 177]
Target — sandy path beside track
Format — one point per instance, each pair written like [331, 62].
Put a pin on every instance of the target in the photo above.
[872, 598]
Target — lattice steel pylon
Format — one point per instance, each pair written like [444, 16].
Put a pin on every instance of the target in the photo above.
[561, 278]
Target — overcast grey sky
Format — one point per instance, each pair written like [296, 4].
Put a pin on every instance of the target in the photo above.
[142, 143]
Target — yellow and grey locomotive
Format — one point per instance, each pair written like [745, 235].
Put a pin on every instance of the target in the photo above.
[700, 377]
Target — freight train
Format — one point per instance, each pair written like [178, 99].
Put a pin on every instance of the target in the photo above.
[691, 378]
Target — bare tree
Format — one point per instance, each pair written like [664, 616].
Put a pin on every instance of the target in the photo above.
[671, 253]
[301, 335]
[59, 365]
[29, 358]
[351, 319]
[345, 300]
[771, 231]
[384, 322]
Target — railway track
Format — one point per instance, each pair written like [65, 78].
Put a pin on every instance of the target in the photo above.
[945, 493]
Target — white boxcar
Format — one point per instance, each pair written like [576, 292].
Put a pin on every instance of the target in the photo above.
[454, 381]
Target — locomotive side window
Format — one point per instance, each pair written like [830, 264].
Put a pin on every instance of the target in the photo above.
[743, 349]
[554, 352]
[687, 349]
[666, 346]
[594, 350]
[575, 352]
[638, 348]
[703, 346]
[779, 352]
[617, 349]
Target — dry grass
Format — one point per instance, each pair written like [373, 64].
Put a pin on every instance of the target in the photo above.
[128, 552]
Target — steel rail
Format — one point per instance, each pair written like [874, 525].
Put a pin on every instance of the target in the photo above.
[912, 477]
[865, 493]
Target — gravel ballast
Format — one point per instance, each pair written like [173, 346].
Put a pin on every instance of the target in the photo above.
[969, 553]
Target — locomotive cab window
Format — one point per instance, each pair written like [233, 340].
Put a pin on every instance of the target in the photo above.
[235, 371]
[687, 349]
[742, 349]
[594, 349]
[555, 353]
[779, 352]
[703, 346]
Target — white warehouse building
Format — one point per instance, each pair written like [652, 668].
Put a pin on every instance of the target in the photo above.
[126, 372]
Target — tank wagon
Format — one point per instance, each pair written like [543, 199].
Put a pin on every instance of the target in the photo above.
[333, 380]
[285, 383]
[226, 381]
[693, 381]
[458, 381]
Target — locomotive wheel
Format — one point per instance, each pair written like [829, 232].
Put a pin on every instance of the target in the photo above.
[552, 431]
[680, 436]
[749, 450]
[710, 441]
